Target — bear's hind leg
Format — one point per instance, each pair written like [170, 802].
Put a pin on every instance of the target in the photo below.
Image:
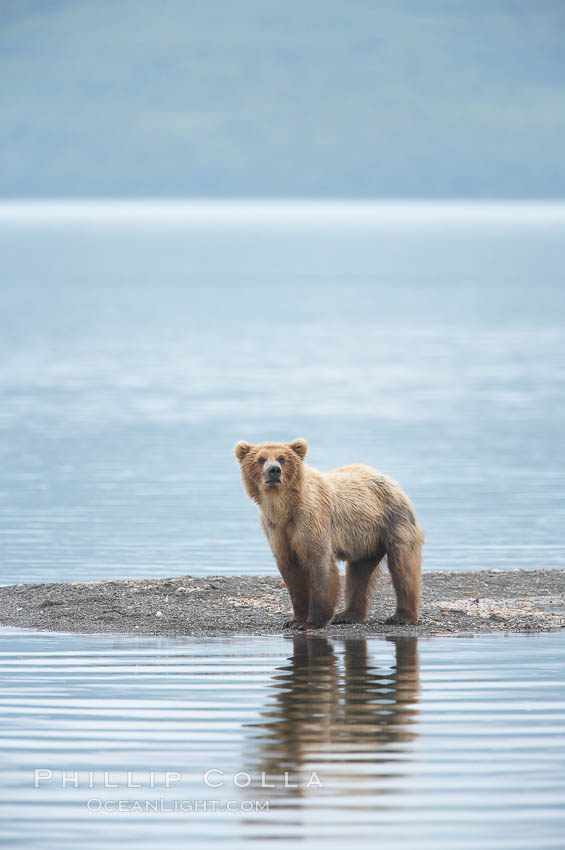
[360, 580]
[404, 564]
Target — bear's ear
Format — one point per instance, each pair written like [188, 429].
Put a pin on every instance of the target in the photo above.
[299, 447]
[241, 449]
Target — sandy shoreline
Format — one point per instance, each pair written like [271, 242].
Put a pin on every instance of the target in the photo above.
[476, 602]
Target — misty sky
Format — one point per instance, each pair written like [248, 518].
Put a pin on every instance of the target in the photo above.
[342, 98]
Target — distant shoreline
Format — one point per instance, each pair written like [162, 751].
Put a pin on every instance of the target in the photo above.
[478, 602]
[348, 213]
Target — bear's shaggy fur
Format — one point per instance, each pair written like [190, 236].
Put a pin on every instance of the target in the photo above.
[313, 519]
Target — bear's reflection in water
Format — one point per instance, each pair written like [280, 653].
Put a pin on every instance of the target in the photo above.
[349, 717]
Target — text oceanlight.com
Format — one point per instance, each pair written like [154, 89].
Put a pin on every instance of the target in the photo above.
[166, 806]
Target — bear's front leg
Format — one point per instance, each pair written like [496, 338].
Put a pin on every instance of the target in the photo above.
[324, 585]
[297, 587]
[290, 570]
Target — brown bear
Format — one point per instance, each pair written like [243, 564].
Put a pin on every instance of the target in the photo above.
[312, 519]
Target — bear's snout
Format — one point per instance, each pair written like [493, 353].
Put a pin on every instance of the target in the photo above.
[272, 474]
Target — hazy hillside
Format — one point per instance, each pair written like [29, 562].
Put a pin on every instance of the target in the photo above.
[359, 98]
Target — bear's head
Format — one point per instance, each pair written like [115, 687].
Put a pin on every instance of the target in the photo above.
[270, 467]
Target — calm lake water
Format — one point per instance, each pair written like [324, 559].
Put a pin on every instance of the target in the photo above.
[442, 744]
[138, 343]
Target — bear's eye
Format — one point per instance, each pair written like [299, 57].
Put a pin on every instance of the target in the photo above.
[281, 460]
[261, 461]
